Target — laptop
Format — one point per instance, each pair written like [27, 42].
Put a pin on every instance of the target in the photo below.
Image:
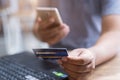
[26, 66]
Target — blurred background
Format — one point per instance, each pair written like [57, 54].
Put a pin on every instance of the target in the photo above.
[16, 22]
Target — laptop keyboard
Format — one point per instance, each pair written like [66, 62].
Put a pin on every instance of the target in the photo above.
[10, 70]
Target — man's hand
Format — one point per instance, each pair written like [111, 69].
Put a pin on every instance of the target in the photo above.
[78, 64]
[49, 31]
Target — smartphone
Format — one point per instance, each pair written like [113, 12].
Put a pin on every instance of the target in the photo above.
[47, 12]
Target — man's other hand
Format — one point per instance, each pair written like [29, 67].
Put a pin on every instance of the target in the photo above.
[49, 31]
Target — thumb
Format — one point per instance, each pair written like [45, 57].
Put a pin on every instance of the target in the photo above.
[80, 57]
[86, 56]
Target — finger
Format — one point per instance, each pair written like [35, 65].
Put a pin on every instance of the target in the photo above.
[77, 68]
[48, 24]
[58, 36]
[75, 75]
[54, 29]
[51, 32]
[82, 78]
[46, 35]
[73, 57]
[71, 74]
[91, 66]
[50, 38]
[45, 25]
[36, 28]
[38, 20]
[87, 56]
[83, 58]
[59, 62]
[54, 39]
[70, 78]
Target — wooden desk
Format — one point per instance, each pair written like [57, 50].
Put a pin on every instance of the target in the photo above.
[107, 71]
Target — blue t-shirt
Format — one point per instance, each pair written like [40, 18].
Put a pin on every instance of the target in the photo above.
[84, 18]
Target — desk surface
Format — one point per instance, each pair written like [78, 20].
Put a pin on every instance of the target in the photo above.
[107, 71]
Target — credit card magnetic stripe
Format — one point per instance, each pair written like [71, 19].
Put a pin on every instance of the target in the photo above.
[50, 52]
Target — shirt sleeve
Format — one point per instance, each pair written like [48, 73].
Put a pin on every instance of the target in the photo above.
[110, 7]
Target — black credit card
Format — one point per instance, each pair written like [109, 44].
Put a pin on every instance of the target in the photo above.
[51, 53]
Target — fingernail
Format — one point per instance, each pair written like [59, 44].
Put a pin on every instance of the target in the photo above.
[64, 59]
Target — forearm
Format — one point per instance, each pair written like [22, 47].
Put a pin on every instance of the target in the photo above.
[106, 47]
